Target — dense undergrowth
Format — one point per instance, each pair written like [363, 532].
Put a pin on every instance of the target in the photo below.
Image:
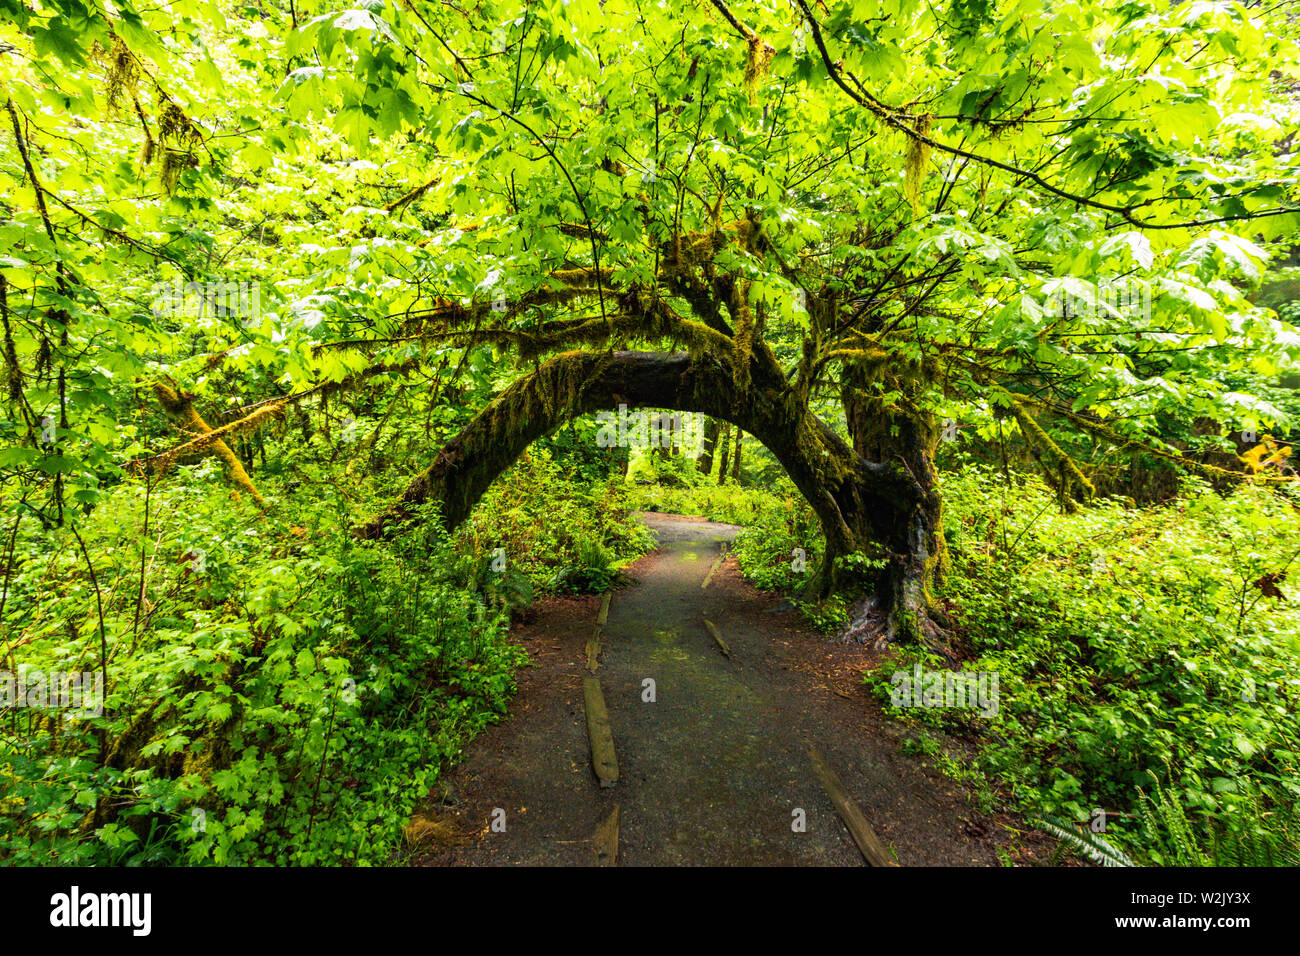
[277, 691]
[1146, 657]
[1140, 652]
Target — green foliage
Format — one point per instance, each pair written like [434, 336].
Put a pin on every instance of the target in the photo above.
[561, 533]
[729, 503]
[781, 542]
[1088, 845]
[281, 695]
[1132, 647]
[828, 615]
[1247, 832]
[777, 520]
[593, 570]
[296, 691]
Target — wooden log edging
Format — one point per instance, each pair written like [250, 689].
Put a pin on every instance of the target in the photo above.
[873, 851]
[599, 733]
[593, 643]
[605, 842]
[716, 563]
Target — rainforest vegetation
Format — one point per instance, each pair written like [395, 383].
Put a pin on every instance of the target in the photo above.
[989, 309]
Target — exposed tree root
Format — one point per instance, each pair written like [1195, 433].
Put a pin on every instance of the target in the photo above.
[877, 624]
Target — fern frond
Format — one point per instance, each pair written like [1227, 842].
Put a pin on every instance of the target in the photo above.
[1087, 845]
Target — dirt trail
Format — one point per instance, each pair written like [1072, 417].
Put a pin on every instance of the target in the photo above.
[713, 770]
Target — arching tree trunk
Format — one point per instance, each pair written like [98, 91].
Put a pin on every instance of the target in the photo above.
[858, 501]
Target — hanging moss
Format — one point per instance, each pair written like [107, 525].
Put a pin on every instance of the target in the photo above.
[120, 75]
[757, 62]
[147, 148]
[743, 338]
[177, 139]
[918, 154]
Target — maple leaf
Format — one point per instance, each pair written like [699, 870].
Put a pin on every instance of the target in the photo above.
[1268, 584]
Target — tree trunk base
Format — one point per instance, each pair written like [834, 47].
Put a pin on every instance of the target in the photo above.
[879, 623]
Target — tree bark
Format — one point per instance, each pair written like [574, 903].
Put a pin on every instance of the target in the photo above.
[902, 604]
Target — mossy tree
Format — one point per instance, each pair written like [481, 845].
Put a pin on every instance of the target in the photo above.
[831, 226]
[738, 195]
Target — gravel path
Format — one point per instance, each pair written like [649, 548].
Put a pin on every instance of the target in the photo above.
[714, 770]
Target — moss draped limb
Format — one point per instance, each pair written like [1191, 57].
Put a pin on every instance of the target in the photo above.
[180, 408]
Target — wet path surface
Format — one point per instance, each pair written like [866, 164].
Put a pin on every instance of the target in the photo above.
[713, 754]
[714, 768]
